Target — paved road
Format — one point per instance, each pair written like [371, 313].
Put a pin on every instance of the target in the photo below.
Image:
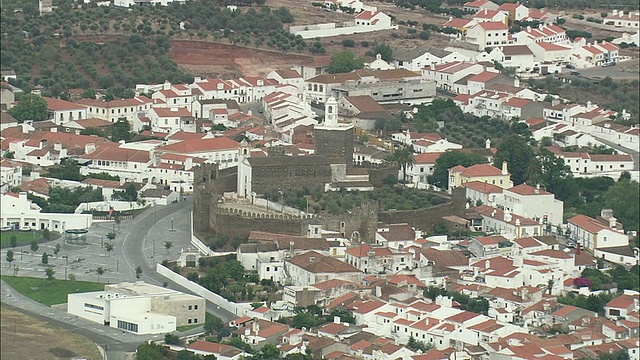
[139, 242]
[625, 70]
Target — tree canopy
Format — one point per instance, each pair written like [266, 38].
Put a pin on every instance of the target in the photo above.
[30, 107]
[518, 154]
[345, 61]
[449, 159]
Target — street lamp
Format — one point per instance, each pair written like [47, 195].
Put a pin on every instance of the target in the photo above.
[172, 229]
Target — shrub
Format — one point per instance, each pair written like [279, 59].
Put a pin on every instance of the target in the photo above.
[364, 43]
[348, 43]
[578, 16]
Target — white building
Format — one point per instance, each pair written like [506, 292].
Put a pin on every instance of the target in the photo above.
[603, 232]
[113, 110]
[10, 173]
[533, 203]
[373, 260]
[618, 18]
[61, 111]
[509, 225]
[488, 34]
[18, 212]
[312, 267]
[138, 308]
[172, 119]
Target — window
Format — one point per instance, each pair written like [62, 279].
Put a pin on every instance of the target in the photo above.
[188, 321]
[195, 321]
[127, 326]
[195, 307]
[190, 307]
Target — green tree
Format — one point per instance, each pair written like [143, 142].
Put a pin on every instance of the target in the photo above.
[67, 169]
[13, 241]
[56, 249]
[172, 339]
[345, 61]
[515, 151]
[30, 107]
[9, 154]
[404, 157]
[108, 247]
[46, 234]
[100, 271]
[150, 352]
[34, 246]
[385, 51]
[213, 323]
[268, 352]
[624, 199]
[121, 130]
[10, 256]
[45, 258]
[111, 235]
[49, 272]
[138, 272]
[449, 159]
[168, 245]
[89, 94]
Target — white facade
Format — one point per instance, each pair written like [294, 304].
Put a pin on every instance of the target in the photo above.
[533, 203]
[10, 173]
[18, 212]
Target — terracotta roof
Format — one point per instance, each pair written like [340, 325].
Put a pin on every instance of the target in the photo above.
[622, 302]
[315, 262]
[484, 76]
[517, 102]
[587, 223]
[527, 242]
[556, 254]
[5, 118]
[62, 105]
[367, 15]
[483, 187]
[102, 183]
[476, 3]
[552, 47]
[172, 112]
[491, 240]
[477, 170]
[113, 152]
[332, 328]
[498, 214]
[457, 23]
[201, 145]
[91, 123]
[510, 6]
[446, 258]
[288, 73]
[366, 306]
[334, 284]
[493, 25]
[365, 103]
[487, 14]
[333, 78]
[524, 189]
[214, 348]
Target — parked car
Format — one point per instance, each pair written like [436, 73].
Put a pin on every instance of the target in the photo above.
[570, 66]
[575, 73]
[608, 63]
[26, 228]
[5, 228]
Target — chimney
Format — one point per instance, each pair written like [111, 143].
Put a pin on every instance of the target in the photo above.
[614, 12]
[516, 82]
[312, 259]
[188, 163]
[166, 85]
[524, 293]
[487, 264]
[378, 291]
[612, 222]
[505, 169]
[336, 319]
[578, 245]
[22, 196]
[57, 146]
[528, 28]
[89, 148]
[485, 11]
[507, 216]
[606, 214]
[255, 326]
[487, 144]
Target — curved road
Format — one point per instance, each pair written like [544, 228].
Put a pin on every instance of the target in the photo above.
[152, 224]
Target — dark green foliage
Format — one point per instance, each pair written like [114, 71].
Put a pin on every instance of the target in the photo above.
[151, 352]
[518, 155]
[449, 159]
[30, 107]
[104, 176]
[68, 169]
[311, 316]
[592, 302]
[128, 194]
[172, 339]
[384, 50]
[224, 275]
[476, 305]
[237, 342]
[65, 200]
[345, 61]
[618, 355]
[340, 202]
[348, 43]
[416, 345]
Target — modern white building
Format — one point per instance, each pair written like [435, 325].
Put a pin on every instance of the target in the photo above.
[138, 308]
[533, 203]
[18, 212]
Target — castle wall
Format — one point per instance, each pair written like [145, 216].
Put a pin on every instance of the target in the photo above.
[288, 176]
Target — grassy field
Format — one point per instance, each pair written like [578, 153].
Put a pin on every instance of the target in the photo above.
[50, 292]
[23, 237]
[25, 337]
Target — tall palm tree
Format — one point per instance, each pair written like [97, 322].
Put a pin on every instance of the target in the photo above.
[404, 157]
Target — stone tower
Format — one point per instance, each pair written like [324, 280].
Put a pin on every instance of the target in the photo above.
[205, 198]
[333, 139]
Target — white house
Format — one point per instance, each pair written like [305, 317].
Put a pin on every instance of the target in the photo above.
[544, 33]
[533, 203]
[417, 58]
[61, 111]
[18, 212]
[478, 5]
[372, 260]
[10, 173]
[129, 164]
[172, 119]
[425, 162]
[618, 18]
[519, 57]
[516, 11]
[488, 34]
[509, 225]
[545, 51]
[113, 110]
[221, 150]
[287, 76]
[445, 75]
[604, 232]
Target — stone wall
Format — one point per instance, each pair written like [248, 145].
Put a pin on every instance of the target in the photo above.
[205, 197]
[289, 173]
[236, 223]
[377, 173]
[334, 144]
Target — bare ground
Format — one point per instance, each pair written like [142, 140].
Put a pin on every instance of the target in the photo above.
[24, 337]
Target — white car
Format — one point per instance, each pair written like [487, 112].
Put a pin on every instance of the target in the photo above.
[26, 228]
[5, 228]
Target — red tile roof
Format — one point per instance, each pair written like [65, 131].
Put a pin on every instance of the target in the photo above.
[201, 145]
[113, 152]
[62, 105]
[587, 223]
[524, 189]
[477, 170]
[556, 254]
[483, 187]
[367, 15]
[622, 302]
[362, 251]
[484, 76]
[315, 262]
[493, 25]
[172, 112]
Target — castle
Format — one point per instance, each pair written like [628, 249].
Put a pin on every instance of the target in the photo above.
[330, 168]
